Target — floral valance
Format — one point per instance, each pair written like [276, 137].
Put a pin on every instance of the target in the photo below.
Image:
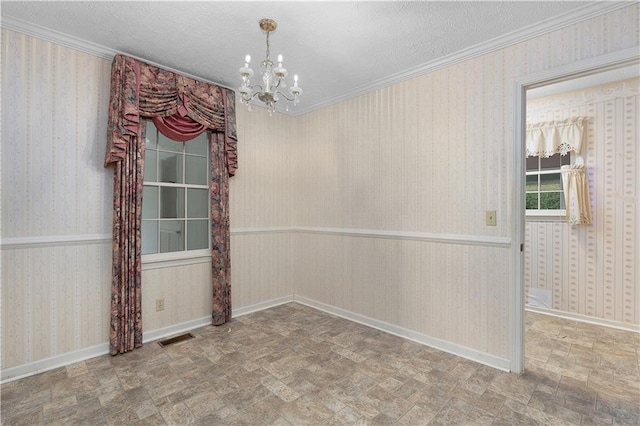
[143, 90]
[555, 137]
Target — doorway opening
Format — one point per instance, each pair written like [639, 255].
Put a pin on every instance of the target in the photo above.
[572, 79]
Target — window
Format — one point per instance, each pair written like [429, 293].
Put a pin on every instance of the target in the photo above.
[544, 192]
[175, 204]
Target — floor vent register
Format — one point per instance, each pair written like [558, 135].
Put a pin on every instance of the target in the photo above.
[176, 339]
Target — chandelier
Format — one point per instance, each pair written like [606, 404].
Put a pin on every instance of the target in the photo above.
[272, 78]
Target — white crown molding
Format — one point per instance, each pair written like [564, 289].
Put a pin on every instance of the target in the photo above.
[49, 35]
[505, 40]
[593, 94]
[540, 28]
[46, 34]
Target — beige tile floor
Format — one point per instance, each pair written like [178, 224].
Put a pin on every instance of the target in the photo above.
[293, 365]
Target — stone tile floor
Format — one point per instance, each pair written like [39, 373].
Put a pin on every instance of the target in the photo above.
[294, 365]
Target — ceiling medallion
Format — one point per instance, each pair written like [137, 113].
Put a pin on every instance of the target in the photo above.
[272, 78]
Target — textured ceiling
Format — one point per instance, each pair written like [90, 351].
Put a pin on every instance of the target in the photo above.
[337, 48]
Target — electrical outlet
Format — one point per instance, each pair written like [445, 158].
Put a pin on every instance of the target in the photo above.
[491, 218]
[160, 304]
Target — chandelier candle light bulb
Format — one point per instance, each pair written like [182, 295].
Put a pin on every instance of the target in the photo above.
[272, 78]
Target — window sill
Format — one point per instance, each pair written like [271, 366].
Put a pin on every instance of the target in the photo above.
[168, 260]
[546, 216]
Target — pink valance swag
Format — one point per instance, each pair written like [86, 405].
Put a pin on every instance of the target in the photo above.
[182, 108]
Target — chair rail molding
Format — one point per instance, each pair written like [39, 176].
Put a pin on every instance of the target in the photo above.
[53, 241]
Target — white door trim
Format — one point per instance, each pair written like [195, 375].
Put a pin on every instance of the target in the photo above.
[521, 84]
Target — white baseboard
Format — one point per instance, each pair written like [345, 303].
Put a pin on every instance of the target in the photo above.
[449, 347]
[46, 364]
[262, 306]
[165, 332]
[183, 327]
[585, 318]
[42, 365]
[31, 368]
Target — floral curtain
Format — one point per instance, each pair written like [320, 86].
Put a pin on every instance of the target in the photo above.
[576, 194]
[126, 298]
[138, 91]
[220, 231]
[555, 137]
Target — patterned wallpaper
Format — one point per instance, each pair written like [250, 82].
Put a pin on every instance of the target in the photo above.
[56, 211]
[52, 159]
[431, 155]
[427, 155]
[594, 270]
[55, 200]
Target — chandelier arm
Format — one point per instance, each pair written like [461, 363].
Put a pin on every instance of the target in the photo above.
[279, 93]
[254, 93]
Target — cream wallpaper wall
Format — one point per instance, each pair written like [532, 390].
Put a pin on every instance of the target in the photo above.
[375, 205]
[593, 270]
[429, 156]
[56, 251]
[262, 206]
[56, 211]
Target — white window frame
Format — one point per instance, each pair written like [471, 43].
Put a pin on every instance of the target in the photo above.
[185, 256]
[549, 214]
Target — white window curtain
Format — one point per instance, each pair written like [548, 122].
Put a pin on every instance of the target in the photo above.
[555, 137]
[576, 194]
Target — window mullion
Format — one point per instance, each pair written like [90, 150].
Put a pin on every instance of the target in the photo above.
[538, 188]
[169, 188]
[158, 242]
[186, 222]
[549, 171]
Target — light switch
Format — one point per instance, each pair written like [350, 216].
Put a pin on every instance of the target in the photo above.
[491, 218]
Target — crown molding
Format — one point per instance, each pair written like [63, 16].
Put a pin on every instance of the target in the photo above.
[592, 10]
[52, 36]
[46, 34]
[582, 14]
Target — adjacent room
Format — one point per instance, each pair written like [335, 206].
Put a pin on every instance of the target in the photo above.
[384, 232]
